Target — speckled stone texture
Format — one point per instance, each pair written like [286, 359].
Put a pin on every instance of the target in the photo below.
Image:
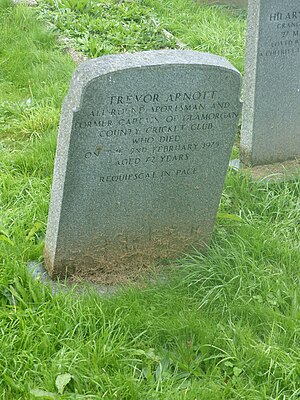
[143, 149]
[271, 112]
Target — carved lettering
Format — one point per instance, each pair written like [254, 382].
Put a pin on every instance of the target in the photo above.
[158, 131]
[285, 32]
[191, 96]
[129, 99]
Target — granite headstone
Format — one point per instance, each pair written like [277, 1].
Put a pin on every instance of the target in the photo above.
[143, 148]
[271, 117]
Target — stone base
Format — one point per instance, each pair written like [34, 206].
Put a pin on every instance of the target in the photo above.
[277, 172]
[37, 271]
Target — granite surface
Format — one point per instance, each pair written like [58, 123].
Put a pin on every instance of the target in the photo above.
[271, 117]
[143, 148]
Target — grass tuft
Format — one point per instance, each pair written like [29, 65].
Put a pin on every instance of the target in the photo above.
[106, 27]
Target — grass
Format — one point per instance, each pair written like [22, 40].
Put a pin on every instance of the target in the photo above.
[34, 75]
[224, 326]
[210, 29]
[106, 26]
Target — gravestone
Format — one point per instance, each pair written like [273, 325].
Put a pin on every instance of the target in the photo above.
[143, 149]
[271, 111]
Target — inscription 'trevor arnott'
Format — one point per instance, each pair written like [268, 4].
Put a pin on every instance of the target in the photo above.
[147, 98]
[143, 149]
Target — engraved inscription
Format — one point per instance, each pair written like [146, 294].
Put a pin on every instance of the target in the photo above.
[285, 30]
[162, 133]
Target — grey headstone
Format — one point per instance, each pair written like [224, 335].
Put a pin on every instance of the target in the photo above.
[143, 149]
[271, 112]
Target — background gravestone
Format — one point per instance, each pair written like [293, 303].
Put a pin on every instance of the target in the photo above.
[143, 149]
[271, 112]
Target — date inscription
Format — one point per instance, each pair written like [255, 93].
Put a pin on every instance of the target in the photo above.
[153, 136]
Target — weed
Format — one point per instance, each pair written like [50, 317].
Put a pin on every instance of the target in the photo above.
[106, 27]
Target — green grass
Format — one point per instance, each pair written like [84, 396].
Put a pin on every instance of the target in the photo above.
[34, 75]
[225, 325]
[106, 26]
[211, 29]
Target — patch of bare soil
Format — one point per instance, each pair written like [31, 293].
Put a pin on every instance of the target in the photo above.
[277, 171]
[123, 274]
